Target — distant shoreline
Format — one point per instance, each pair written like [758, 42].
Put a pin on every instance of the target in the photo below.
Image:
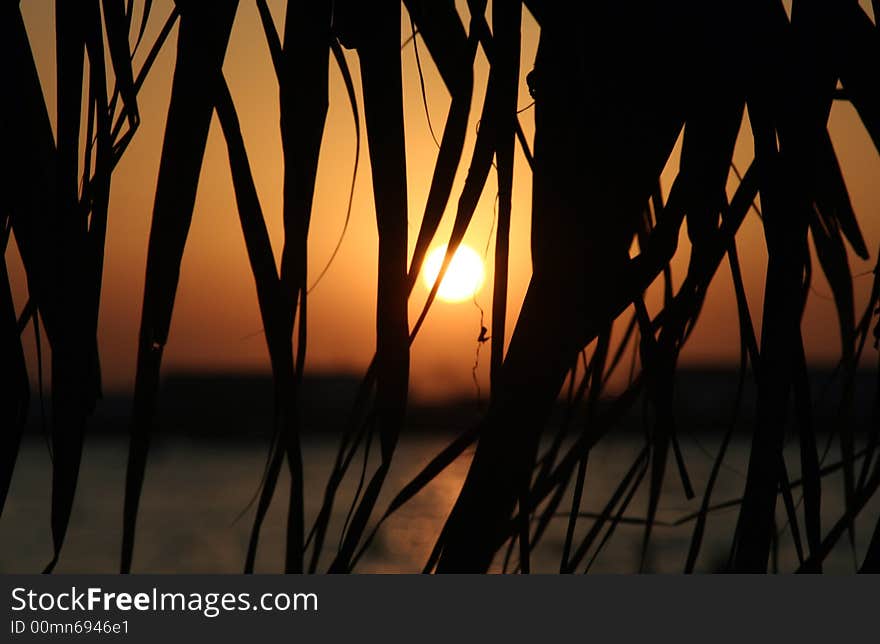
[239, 406]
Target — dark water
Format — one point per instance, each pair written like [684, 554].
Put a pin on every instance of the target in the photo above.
[195, 493]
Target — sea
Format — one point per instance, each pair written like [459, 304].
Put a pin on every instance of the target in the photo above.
[197, 509]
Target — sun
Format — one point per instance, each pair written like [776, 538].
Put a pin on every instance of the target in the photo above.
[463, 278]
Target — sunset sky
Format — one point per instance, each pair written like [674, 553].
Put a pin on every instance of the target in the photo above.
[216, 324]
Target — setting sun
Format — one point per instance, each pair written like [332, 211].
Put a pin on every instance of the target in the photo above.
[463, 278]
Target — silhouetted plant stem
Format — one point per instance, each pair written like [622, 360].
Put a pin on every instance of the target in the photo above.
[14, 385]
[203, 37]
[506, 16]
[29, 185]
[376, 37]
[566, 300]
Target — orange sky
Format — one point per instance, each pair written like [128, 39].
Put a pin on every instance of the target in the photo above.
[216, 323]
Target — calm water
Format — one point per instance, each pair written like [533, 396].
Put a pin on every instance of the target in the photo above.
[195, 492]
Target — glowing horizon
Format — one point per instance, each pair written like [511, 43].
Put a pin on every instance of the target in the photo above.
[216, 324]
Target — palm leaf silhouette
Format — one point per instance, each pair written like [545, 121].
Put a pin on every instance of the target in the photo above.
[607, 118]
[204, 34]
